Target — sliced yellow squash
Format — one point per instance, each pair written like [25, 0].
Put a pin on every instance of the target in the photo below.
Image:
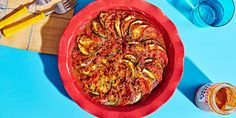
[82, 49]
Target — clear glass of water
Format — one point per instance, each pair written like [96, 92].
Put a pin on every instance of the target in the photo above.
[204, 13]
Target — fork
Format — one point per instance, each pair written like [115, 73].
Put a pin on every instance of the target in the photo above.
[21, 12]
[60, 8]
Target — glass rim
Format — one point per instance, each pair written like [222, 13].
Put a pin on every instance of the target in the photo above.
[222, 24]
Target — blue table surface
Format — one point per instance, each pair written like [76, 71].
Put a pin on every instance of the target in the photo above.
[30, 85]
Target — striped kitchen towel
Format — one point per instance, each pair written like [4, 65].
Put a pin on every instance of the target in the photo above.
[41, 37]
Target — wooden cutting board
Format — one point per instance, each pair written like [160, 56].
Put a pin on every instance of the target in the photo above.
[41, 37]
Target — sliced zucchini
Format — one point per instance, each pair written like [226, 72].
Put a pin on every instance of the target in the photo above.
[153, 61]
[86, 72]
[102, 18]
[130, 65]
[97, 29]
[136, 33]
[126, 23]
[94, 93]
[85, 41]
[103, 84]
[131, 58]
[117, 26]
[136, 28]
[82, 49]
[148, 73]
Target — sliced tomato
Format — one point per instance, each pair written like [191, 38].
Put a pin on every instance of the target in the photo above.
[157, 53]
[162, 56]
[156, 71]
[136, 98]
[152, 33]
[126, 23]
[144, 85]
[154, 41]
[109, 48]
[127, 95]
[88, 30]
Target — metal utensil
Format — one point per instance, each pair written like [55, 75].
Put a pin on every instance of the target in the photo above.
[60, 8]
[21, 12]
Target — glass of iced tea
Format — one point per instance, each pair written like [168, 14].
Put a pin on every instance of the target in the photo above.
[204, 13]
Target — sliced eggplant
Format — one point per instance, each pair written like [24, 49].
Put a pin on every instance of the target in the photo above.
[97, 29]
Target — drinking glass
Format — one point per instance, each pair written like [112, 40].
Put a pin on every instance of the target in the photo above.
[204, 13]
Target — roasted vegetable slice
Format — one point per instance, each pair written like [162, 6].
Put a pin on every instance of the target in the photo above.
[152, 33]
[102, 18]
[153, 62]
[85, 40]
[110, 20]
[103, 84]
[117, 25]
[82, 49]
[136, 33]
[130, 65]
[111, 100]
[158, 53]
[126, 23]
[136, 28]
[148, 73]
[131, 58]
[97, 28]
[136, 98]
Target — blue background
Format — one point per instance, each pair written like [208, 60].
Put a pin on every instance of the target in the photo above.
[30, 85]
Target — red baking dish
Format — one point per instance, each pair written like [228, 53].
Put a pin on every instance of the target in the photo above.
[158, 96]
